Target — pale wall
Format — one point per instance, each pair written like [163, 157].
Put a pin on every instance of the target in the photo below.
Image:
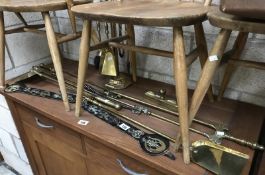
[23, 51]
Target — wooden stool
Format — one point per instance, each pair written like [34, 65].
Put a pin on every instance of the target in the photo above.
[227, 23]
[170, 13]
[244, 26]
[53, 38]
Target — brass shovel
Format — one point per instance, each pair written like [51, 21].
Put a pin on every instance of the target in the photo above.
[218, 159]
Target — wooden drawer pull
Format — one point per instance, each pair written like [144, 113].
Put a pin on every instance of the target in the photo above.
[127, 170]
[43, 125]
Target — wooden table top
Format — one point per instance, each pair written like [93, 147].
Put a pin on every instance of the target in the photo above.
[233, 22]
[243, 120]
[36, 5]
[144, 12]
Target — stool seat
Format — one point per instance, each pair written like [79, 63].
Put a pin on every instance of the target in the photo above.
[36, 5]
[236, 23]
[144, 12]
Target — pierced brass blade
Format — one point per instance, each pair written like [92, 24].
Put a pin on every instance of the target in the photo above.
[218, 159]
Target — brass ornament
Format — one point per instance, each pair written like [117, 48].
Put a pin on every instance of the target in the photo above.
[119, 82]
[108, 63]
[163, 99]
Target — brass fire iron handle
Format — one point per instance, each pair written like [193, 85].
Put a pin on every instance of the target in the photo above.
[244, 142]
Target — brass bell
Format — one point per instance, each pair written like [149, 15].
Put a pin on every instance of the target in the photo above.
[109, 66]
[108, 63]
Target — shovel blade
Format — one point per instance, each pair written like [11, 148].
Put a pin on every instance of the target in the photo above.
[218, 159]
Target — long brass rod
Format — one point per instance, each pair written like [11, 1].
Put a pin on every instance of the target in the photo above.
[134, 122]
[156, 107]
[119, 101]
[128, 97]
[166, 119]
[148, 104]
[172, 122]
[72, 87]
[68, 83]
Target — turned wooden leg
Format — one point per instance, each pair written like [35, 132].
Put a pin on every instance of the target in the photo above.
[180, 72]
[83, 62]
[2, 50]
[208, 72]
[203, 51]
[116, 54]
[70, 4]
[230, 69]
[132, 54]
[56, 58]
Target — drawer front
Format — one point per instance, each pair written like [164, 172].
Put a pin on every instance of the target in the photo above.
[51, 128]
[103, 160]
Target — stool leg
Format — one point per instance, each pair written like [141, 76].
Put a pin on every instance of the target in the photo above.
[206, 77]
[83, 61]
[202, 46]
[230, 69]
[180, 72]
[208, 72]
[2, 50]
[116, 55]
[55, 54]
[132, 54]
[70, 4]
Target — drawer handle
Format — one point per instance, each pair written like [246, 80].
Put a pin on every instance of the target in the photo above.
[42, 125]
[127, 170]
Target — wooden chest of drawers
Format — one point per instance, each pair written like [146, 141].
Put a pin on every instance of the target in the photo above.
[57, 150]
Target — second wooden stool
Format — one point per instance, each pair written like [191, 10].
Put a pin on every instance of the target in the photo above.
[53, 38]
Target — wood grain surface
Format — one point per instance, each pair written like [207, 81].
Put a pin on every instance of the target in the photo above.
[144, 12]
[36, 5]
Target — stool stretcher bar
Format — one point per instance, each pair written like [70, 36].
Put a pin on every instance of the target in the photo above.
[24, 28]
[105, 43]
[190, 58]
